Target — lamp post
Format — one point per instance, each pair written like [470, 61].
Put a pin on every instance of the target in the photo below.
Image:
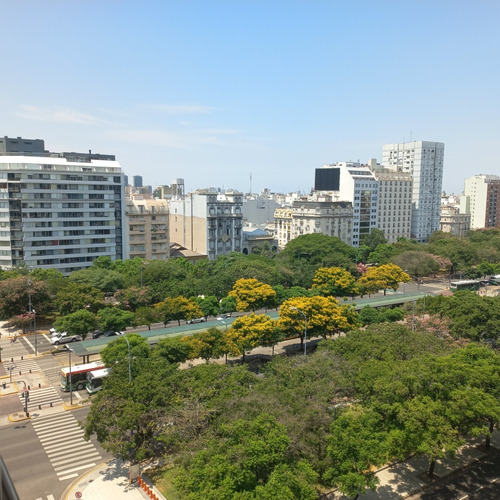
[413, 317]
[305, 327]
[129, 369]
[34, 327]
[225, 324]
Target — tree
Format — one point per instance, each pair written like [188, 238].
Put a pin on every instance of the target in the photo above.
[251, 294]
[244, 459]
[324, 317]
[146, 316]
[102, 278]
[77, 323]
[227, 305]
[247, 332]
[15, 296]
[373, 239]
[175, 309]
[112, 318]
[134, 297]
[383, 277]
[335, 282]
[358, 441]
[172, 349]
[417, 263]
[206, 345]
[209, 305]
[76, 296]
[117, 351]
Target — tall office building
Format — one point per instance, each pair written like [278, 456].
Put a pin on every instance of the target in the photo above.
[394, 202]
[481, 199]
[424, 161]
[353, 182]
[58, 210]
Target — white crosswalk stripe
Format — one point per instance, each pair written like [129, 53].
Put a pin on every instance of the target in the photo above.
[49, 497]
[24, 366]
[62, 439]
[43, 397]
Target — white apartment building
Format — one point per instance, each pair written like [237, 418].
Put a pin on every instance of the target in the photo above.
[353, 182]
[207, 222]
[481, 200]
[58, 210]
[424, 161]
[147, 228]
[332, 218]
[283, 224]
[394, 203]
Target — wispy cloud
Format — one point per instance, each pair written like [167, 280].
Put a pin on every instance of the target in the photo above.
[179, 109]
[150, 138]
[57, 115]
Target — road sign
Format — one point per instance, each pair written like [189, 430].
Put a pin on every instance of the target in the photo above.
[78, 494]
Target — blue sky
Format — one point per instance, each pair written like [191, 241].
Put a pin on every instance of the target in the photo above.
[216, 92]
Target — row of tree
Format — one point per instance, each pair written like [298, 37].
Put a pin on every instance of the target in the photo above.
[304, 423]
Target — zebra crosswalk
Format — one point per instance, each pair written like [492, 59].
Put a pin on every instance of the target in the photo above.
[41, 398]
[25, 365]
[49, 497]
[62, 439]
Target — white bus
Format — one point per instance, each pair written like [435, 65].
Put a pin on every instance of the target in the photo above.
[78, 375]
[95, 378]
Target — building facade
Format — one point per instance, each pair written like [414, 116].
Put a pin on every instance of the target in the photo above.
[424, 161]
[309, 216]
[58, 210]
[147, 229]
[481, 200]
[355, 183]
[283, 224]
[454, 222]
[394, 203]
[208, 222]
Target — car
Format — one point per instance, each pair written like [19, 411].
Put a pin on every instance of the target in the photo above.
[64, 338]
[195, 320]
[223, 316]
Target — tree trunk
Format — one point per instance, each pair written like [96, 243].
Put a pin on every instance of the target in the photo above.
[432, 466]
[488, 437]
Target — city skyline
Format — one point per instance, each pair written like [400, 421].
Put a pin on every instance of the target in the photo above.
[251, 94]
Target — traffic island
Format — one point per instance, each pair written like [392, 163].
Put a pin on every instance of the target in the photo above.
[18, 417]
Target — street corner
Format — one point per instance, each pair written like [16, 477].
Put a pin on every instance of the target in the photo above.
[8, 388]
[18, 417]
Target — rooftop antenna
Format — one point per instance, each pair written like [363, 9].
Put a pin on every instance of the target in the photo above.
[250, 183]
[411, 132]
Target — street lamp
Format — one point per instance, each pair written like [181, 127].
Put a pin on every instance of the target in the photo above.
[225, 324]
[129, 369]
[34, 327]
[305, 327]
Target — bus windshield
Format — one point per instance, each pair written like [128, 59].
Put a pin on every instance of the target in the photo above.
[95, 379]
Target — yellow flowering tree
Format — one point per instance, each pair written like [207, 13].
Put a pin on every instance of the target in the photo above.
[248, 332]
[252, 294]
[383, 277]
[335, 282]
[324, 317]
[177, 308]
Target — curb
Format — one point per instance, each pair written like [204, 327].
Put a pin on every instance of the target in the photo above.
[16, 417]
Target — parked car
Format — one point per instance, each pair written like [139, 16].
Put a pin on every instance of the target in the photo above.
[224, 316]
[64, 338]
[195, 320]
[107, 333]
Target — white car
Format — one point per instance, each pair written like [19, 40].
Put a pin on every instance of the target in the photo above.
[64, 338]
[195, 320]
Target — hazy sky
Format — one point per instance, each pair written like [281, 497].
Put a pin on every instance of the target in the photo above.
[216, 92]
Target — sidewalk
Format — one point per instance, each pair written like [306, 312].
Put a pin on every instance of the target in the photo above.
[106, 481]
